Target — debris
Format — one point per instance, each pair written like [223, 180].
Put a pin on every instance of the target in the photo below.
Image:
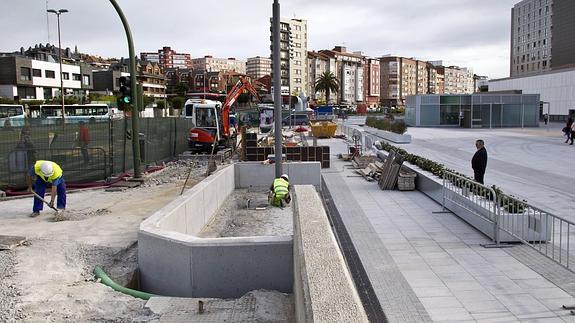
[9, 242]
[75, 215]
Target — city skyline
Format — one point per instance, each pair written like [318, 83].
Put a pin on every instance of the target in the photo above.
[391, 28]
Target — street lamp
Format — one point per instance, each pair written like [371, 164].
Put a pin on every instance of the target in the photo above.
[58, 13]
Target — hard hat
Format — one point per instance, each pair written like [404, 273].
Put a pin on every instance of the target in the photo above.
[46, 169]
[284, 176]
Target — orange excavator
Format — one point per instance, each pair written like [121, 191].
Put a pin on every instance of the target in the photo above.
[212, 119]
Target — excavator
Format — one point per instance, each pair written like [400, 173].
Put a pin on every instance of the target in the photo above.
[212, 119]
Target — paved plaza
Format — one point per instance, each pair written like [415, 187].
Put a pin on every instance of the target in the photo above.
[426, 266]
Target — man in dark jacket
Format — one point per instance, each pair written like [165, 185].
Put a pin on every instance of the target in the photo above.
[479, 161]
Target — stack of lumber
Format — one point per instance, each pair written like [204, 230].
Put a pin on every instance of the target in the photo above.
[360, 162]
[390, 171]
[372, 171]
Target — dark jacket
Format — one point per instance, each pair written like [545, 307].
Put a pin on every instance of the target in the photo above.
[479, 160]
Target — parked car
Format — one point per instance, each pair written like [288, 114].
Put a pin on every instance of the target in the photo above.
[296, 119]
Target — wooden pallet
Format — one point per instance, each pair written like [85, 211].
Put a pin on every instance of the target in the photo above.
[390, 171]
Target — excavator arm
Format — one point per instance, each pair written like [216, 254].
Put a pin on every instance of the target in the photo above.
[241, 86]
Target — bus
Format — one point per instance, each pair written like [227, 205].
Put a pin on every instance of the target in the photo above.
[11, 115]
[51, 113]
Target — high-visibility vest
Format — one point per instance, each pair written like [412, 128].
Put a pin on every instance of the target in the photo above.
[281, 188]
[57, 171]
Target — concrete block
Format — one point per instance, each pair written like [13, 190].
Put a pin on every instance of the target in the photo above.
[195, 213]
[164, 266]
[229, 271]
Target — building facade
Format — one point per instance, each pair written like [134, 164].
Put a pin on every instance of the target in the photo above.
[348, 68]
[454, 80]
[168, 58]
[479, 110]
[532, 24]
[38, 78]
[150, 75]
[557, 90]
[401, 77]
[214, 64]
[293, 55]
[372, 79]
[258, 67]
[317, 64]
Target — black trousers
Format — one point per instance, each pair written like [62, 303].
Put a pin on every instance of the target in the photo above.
[478, 175]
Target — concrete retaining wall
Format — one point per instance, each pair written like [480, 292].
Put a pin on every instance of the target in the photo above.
[323, 287]
[174, 262]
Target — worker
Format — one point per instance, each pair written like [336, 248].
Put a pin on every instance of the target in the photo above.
[46, 172]
[279, 192]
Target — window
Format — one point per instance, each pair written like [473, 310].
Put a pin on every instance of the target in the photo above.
[86, 79]
[25, 74]
[36, 72]
[76, 77]
[50, 74]
[65, 75]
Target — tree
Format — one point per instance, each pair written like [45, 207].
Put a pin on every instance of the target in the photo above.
[327, 82]
[177, 102]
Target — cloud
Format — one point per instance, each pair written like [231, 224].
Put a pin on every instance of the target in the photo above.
[467, 31]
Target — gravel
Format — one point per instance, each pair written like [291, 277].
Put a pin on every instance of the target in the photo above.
[176, 171]
[9, 292]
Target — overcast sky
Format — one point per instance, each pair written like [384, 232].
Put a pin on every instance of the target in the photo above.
[460, 32]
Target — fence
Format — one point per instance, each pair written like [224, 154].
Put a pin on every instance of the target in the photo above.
[109, 150]
[539, 229]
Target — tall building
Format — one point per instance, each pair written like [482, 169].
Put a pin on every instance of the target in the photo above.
[348, 69]
[531, 36]
[168, 58]
[258, 67]
[293, 55]
[213, 64]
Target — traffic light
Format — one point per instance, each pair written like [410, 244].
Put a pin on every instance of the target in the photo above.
[125, 98]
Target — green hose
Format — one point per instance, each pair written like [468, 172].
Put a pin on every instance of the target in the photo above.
[104, 279]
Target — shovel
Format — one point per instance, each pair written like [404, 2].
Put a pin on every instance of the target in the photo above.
[43, 200]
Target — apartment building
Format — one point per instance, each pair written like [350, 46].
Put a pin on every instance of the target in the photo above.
[348, 68]
[317, 64]
[401, 77]
[372, 88]
[168, 58]
[258, 67]
[293, 55]
[150, 75]
[214, 64]
[35, 74]
[455, 80]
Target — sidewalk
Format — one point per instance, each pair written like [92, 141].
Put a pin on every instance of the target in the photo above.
[430, 267]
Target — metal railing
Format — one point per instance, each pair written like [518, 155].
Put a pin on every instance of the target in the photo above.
[541, 230]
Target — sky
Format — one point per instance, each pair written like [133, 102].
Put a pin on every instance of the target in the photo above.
[469, 33]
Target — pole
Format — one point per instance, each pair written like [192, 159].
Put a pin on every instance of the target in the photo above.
[61, 73]
[277, 87]
[135, 99]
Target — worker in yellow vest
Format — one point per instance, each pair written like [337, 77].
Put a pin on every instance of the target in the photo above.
[279, 192]
[47, 173]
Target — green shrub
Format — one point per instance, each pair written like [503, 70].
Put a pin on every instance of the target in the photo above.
[397, 126]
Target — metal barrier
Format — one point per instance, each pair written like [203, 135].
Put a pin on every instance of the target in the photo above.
[545, 232]
[472, 196]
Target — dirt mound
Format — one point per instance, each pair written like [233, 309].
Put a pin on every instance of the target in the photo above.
[78, 215]
[176, 171]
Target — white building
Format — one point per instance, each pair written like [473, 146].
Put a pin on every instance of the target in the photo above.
[258, 67]
[555, 87]
[214, 64]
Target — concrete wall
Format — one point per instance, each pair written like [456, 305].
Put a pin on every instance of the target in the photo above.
[174, 262]
[323, 287]
[254, 174]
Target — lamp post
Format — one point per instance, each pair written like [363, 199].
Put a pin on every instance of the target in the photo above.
[58, 13]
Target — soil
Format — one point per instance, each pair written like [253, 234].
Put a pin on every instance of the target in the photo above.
[49, 277]
[234, 219]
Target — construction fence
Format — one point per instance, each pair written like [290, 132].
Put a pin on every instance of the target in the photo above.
[108, 152]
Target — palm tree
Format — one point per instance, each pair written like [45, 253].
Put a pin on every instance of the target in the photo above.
[327, 83]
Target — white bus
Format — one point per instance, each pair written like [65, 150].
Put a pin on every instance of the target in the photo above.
[11, 115]
[51, 113]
